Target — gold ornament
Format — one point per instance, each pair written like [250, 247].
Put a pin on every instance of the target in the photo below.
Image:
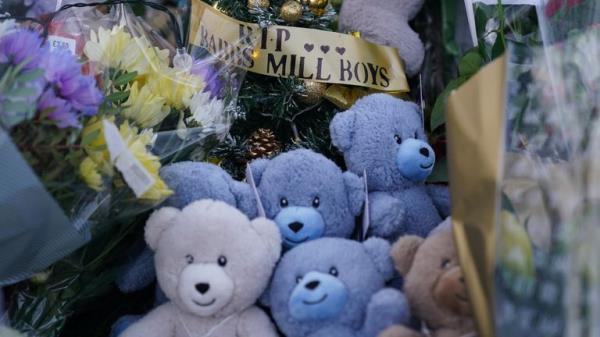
[262, 144]
[291, 11]
[313, 92]
[316, 6]
[263, 4]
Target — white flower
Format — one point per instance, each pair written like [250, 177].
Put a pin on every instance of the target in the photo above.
[490, 34]
[6, 27]
[206, 112]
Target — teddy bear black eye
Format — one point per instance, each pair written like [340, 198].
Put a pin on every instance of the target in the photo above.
[283, 202]
[222, 261]
[445, 263]
[298, 279]
[398, 139]
[334, 272]
[189, 259]
[316, 202]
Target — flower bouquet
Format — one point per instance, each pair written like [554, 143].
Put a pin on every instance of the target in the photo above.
[98, 152]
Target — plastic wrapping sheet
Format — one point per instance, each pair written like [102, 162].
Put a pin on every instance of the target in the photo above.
[161, 104]
[547, 260]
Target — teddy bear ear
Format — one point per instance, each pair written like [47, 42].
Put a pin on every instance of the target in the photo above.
[244, 197]
[270, 235]
[404, 251]
[258, 167]
[342, 130]
[356, 192]
[157, 222]
[379, 251]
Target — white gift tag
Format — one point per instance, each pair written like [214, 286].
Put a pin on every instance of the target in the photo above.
[471, 12]
[134, 173]
[60, 42]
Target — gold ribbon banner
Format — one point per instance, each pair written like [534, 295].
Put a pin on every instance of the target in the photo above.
[308, 54]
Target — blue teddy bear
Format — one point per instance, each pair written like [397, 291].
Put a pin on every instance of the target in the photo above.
[384, 137]
[308, 196]
[333, 287]
[190, 181]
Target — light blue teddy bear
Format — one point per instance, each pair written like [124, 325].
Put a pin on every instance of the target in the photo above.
[333, 287]
[308, 196]
[384, 137]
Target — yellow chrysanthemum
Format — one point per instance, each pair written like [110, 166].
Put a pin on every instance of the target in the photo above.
[177, 87]
[144, 107]
[88, 170]
[138, 144]
[116, 48]
[95, 147]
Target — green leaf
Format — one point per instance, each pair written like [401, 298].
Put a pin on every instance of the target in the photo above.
[448, 26]
[21, 92]
[117, 96]
[440, 172]
[470, 63]
[31, 75]
[438, 117]
[125, 79]
[498, 48]
[90, 137]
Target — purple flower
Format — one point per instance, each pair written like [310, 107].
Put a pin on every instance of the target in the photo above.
[209, 74]
[22, 46]
[58, 109]
[63, 71]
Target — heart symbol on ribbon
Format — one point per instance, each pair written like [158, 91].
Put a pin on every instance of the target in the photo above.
[325, 49]
[309, 47]
[340, 50]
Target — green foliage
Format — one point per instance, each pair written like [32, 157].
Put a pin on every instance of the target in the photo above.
[19, 94]
[273, 103]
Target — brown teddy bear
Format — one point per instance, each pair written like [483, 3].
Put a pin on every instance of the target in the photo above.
[434, 285]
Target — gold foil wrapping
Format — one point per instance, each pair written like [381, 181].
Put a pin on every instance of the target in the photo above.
[475, 127]
[306, 54]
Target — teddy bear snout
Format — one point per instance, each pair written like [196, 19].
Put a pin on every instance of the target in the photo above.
[450, 291]
[205, 288]
[299, 224]
[415, 159]
[312, 285]
[317, 296]
[202, 288]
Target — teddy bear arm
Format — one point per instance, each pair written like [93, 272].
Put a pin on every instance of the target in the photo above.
[386, 214]
[440, 195]
[387, 307]
[400, 331]
[158, 323]
[254, 322]
[138, 273]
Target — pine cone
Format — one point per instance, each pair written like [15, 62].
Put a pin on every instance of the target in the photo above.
[262, 144]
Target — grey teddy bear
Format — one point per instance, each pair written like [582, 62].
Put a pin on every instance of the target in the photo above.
[384, 136]
[191, 181]
[385, 22]
[333, 287]
[213, 263]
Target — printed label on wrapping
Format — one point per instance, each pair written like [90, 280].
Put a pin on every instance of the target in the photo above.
[59, 42]
[134, 173]
[309, 54]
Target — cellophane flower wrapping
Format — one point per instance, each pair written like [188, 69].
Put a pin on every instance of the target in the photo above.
[547, 279]
[151, 103]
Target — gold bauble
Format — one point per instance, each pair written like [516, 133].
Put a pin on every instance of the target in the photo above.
[313, 92]
[264, 4]
[316, 6]
[291, 11]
